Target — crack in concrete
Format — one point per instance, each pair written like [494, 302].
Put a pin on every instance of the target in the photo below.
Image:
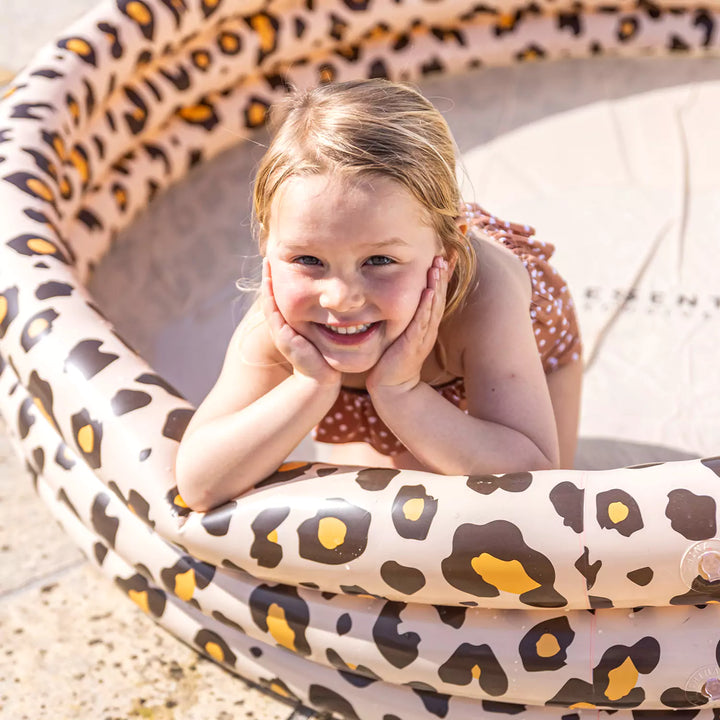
[41, 581]
[685, 177]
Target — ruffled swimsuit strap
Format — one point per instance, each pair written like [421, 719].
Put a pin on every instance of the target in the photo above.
[552, 310]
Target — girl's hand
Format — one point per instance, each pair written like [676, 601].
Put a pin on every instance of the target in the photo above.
[400, 366]
[304, 357]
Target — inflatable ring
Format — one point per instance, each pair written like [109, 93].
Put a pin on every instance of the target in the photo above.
[319, 594]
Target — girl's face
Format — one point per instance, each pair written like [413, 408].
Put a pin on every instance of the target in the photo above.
[349, 261]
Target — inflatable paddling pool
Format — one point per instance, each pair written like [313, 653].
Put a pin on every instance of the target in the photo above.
[362, 592]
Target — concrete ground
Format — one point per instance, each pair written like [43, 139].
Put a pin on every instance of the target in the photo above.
[71, 646]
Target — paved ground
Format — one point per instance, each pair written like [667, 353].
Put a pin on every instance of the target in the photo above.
[71, 646]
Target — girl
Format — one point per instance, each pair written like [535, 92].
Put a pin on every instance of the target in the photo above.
[410, 330]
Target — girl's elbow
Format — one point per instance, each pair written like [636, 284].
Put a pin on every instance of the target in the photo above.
[547, 460]
[546, 463]
[194, 492]
[189, 493]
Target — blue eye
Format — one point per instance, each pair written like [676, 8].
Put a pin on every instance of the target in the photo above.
[380, 260]
[307, 260]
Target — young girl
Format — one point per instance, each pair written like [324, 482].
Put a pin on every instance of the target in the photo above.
[409, 329]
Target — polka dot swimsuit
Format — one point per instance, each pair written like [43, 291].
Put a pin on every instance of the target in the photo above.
[353, 419]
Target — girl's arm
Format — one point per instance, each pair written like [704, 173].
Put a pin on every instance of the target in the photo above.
[510, 425]
[256, 414]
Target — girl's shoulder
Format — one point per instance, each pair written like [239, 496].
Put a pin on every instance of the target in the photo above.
[501, 273]
[501, 285]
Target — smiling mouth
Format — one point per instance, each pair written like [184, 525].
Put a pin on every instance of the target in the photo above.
[348, 329]
[347, 334]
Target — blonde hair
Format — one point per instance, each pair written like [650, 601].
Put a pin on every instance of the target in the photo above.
[371, 127]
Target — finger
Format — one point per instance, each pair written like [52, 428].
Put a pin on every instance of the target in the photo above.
[268, 301]
[267, 278]
[438, 282]
[417, 329]
[445, 273]
[273, 316]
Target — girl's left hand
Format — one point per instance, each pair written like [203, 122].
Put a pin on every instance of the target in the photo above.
[400, 366]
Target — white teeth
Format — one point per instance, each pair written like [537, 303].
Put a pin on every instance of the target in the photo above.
[348, 329]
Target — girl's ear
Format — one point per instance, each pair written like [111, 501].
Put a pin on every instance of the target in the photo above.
[462, 224]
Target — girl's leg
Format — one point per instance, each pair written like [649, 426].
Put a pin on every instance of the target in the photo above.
[565, 386]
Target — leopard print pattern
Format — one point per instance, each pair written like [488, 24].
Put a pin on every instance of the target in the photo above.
[321, 595]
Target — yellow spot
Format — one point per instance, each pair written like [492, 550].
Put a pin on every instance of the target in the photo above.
[279, 690]
[582, 706]
[475, 672]
[78, 46]
[292, 465]
[377, 33]
[627, 29]
[138, 12]
[506, 575]
[80, 165]
[326, 75]
[530, 55]
[41, 407]
[36, 327]
[352, 666]
[3, 307]
[618, 511]
[185, 585]
[86, 438]
[40, 246]
[74, 109]
[621, 680]
[40, 188]
[229, 42]
[413, 508]
[256, 114]
[202, 60]
[278, 626]
[506, 21]
[273, 537]
[215, 651]
[138, 113]
[9, 92]
[65, 187]
[140, 599]
[179, 501]
[331, 532]
[59, 147]
[345, 51]
[547, 646]
[120, 196]
[263, 27]
[196, 113]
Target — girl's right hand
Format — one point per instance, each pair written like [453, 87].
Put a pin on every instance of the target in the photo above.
[304, 357]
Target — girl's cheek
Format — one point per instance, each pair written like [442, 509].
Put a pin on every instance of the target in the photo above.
[292, 294]
[403, 291]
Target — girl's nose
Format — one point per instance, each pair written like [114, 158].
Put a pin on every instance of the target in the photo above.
[342, 294]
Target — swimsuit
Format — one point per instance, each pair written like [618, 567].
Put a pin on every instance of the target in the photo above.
[353, 418]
